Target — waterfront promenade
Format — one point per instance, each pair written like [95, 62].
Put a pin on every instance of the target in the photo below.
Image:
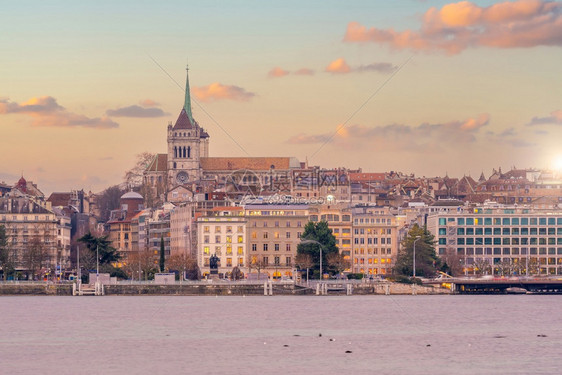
[225, 288]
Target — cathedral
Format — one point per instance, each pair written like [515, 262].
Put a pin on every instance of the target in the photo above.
[187, 163]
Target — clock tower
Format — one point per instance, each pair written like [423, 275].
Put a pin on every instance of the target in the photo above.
[187, 143]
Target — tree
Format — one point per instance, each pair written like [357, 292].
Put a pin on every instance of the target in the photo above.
[482, 266]
[141, 263]
[186, 264]
[6, 259]
[236, 274]
[427, 262]
[162, 261]
[318, 232]
[134, 176]
[258, 264]
[451, 262]
[108, 200]
[337, 262]
[108, 255]
[304, 262]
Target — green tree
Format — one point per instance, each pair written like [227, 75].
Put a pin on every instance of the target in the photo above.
[318, 232]
[162, 255]
[108, 255]
[6, 261]
[427, 261]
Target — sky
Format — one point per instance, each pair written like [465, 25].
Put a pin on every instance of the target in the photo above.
[423, 87]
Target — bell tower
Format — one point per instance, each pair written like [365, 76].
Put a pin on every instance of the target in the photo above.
[187, 143]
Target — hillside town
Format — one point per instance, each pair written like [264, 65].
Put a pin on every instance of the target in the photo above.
[249, 213]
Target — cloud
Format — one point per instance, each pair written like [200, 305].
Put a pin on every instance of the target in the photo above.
[401, 136]
[277, 72]
[43, 104]
[148, 103]
[340, 66]
[136, 111]
[304, 72]
[217, 91]
[458, 26]
[383, 67]
[45, 111]
[554, 118]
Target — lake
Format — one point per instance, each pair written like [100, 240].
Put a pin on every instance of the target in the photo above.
[448, 334]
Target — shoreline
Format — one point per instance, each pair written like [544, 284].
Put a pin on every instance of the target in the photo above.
[216, 289]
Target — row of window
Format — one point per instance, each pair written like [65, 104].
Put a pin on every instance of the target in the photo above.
[228, 239]
[502, 221]
[383, 251]
[276, 235]
[276, 247]
[497, 231]
[506, 251]
[372, 231]
[276, 261]
[372, 260]
[373, 241]
[228, 229]
[505, 241]
[26, 218]
[218, 250]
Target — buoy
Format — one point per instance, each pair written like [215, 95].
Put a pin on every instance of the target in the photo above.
[286, 346]
[348, 351]
[332, 339]
[319, 335]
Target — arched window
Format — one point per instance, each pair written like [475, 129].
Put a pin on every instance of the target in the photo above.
[184, 152]
[175, 152]
[175, 165]
[189, 151]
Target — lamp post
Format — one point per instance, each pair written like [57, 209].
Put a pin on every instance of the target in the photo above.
[97, 263]
[414, 257]
[320, 246]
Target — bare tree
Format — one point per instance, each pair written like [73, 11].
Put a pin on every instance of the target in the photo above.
[304, 261]
[145, 260]
[34, 256]
[257, 263]
[134, 176]
[186, 264]
[108, 200]
[504, 267]
[482, 266]
[337, 262]
[453, 261]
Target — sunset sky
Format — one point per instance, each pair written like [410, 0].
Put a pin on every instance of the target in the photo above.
[424, 87]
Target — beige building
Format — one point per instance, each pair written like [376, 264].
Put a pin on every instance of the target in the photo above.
[32, 229]
[339, 219]
[224, 235]
[375, 240]
[274, 233]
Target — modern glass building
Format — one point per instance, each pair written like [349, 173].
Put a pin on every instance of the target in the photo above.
[511, 240]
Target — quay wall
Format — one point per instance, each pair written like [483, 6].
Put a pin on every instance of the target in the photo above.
[210, 289]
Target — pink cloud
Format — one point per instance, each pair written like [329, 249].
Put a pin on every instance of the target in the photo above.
[148, 103]
[45, 111]
[338, 66]
[277, 72]
[398, 135]
[458, 26]
[217, 91]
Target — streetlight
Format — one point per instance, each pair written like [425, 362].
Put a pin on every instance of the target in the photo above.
[414, 257]
[97, 263]
[321, 246]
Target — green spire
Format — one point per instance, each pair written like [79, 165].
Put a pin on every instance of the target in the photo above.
[187, 104]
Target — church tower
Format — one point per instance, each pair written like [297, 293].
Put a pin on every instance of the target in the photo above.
[187, 144]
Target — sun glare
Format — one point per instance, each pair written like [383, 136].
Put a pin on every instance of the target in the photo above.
[557, 163]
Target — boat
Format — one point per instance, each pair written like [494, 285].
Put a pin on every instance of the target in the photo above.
[516, 290]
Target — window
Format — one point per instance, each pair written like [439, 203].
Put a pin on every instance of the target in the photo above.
[288, 247]
[240, 250]
[217, 229]
[276, 247]
[265, 247]
[217, 239]
[228, 249]
[265, 235]
[228, 239]
[265, 260]
[206, 250]
[254, 247]
[288, 261]
[277, 261]
[240, 239]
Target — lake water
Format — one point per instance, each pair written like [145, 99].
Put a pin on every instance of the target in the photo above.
[512, 334]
